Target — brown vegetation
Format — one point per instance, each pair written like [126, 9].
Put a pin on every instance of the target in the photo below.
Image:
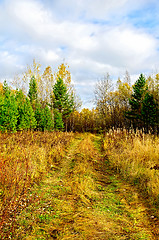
[25, 158]
[136, 157]
[61, 186]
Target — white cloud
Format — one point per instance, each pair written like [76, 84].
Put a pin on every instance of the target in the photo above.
[94, 37]
[103, 8]
[9, 65]
[126, 47]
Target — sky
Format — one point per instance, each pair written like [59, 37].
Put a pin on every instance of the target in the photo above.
[94, 37]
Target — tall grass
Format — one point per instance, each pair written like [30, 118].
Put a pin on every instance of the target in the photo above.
[136, 157]
[25, 158]
[81, 173]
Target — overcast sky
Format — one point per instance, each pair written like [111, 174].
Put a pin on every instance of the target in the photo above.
[93, 36]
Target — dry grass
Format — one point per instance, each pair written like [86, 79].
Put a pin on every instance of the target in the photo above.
[79, 197]
[78, 220]
[84, 200]
[25, 157]
[69, 194]
[136, 157]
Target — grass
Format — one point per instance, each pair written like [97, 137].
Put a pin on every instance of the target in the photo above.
[79, 196]
[134, 156]
[25, 158]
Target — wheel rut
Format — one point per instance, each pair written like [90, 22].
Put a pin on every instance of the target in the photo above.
[83, 199]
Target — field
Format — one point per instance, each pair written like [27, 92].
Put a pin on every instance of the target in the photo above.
[79, 186]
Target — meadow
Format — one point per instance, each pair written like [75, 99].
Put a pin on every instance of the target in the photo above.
[25, 158]
[59, 185]
[135, 156]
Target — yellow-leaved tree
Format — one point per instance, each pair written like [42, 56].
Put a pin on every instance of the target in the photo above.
[64, 73]
[44, 81]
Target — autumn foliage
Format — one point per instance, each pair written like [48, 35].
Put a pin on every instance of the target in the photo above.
[37, 121]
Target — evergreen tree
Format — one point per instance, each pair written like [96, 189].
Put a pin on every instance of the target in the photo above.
[58, 123]
[38, 116]
[47, 120]
[26, 118]
[8, 110]
[135, 102]
[33, 94]
[62, 101]
[149, 111]
[44, 118]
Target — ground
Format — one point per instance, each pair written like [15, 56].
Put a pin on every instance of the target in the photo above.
[82, 198]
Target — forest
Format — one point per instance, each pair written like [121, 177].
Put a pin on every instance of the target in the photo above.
[67, 173]
[49, 101]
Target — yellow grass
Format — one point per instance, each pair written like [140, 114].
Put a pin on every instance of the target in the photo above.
[135, 156]
[67, 191]
[26, 157]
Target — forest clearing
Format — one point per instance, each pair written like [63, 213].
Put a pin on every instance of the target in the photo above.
[71, 174]
[79, 120]
[59, 185]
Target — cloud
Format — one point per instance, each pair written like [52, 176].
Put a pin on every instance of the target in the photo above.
[124, 47]
[94, 37]
[9, 65]
[87, 9]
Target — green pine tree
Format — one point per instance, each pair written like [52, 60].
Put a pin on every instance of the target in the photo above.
[44, 118]
[135, 102]
[26, 118]
[38, 116]
[8, 110]
[62, 101]
[149, 111]
[33, 94]
[58, 122]
[47, 119]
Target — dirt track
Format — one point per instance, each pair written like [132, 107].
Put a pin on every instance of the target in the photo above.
[81, 198]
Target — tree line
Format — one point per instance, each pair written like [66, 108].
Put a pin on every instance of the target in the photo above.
[122, 106]
[49, 101]
[46, 105]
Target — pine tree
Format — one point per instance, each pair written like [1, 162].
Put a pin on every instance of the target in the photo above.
[8, 110]
[26, 118]
[60, 95]
[38, 116]
[135, 102]
[47, 119]
[33, 94]
[58, 123]
[43, 114]
[62, 101]
[149, 111]
[44, 118]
